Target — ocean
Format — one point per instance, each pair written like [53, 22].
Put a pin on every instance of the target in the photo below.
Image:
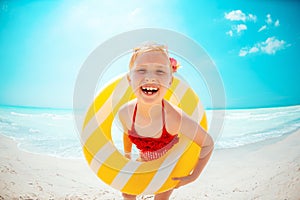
[53, 131]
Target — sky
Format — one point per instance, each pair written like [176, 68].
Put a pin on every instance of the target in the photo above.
[255, 45]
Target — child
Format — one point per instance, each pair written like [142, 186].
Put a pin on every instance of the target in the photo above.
[152, 123]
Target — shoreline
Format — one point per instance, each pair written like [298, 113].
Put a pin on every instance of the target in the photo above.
[17, 143]
[260, 144]
[207, 108]
[253, 145]
[264, 170]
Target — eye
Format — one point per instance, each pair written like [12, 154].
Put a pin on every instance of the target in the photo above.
[160, 72]
[141, 71]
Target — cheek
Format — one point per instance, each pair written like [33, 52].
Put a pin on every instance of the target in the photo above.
[166, 81]
[137, 76]
[135, 81]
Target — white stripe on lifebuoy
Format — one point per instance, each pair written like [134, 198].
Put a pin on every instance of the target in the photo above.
[101, 156]
[165, 170]
[122, 178]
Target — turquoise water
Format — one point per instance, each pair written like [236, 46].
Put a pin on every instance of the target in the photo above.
[46, 131]
[248, 126]
[53, 131]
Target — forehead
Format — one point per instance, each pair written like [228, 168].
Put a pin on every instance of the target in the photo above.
[158, 57]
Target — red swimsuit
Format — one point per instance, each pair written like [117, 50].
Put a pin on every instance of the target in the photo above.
[152, 148]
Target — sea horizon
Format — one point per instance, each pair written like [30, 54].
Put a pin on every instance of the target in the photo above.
[206, 108]
[52, 131]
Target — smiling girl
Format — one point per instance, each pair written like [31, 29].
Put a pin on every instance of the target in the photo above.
[152, 123]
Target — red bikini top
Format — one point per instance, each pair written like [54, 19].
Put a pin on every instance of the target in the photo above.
[146, 144]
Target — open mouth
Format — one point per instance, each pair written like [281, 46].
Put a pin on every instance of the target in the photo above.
[149, 90]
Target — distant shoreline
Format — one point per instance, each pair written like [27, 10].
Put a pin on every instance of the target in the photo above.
[53, 132]
[254, 145]
[71, 109]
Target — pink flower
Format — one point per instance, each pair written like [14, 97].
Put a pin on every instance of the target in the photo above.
[174, 64]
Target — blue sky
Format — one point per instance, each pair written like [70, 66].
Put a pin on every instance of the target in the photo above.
[255, 45]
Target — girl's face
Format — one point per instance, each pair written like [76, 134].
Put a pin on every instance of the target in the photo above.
[150, 76]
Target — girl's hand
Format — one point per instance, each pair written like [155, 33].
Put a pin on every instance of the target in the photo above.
[184, 180]
[128, 155]
[196, 172]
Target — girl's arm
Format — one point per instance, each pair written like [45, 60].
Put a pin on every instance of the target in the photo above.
[194, 132]
[127, 144]
[195, 174]
[197, 134]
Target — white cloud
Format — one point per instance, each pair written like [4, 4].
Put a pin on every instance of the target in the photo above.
[269, 19]
[235, 15]
[241, 27]
[269, 22]
[270, 46]
[243, 52]
[262, 28]
[238, 15]
[236, 29]
[252, 17]
[230, 33]
[253, 50]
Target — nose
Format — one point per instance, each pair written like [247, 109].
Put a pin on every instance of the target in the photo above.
[149, 80]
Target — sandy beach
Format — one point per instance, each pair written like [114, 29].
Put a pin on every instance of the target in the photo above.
[269, 170]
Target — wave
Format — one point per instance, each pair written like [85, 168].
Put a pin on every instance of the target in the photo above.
[258, 136]
[53, 132]
[31, 130]
[44, 115]
[262, 114]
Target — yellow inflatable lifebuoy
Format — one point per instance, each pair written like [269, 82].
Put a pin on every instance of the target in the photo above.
[130, 176]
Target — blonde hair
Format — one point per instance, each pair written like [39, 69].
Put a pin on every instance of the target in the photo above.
[148, 47]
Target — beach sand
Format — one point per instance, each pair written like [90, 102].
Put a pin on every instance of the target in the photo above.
[269, 170]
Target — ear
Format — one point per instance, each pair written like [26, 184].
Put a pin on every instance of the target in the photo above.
[128, 78]
[171, 81]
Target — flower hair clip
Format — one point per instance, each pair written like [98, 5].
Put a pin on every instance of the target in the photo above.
[175, 65]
